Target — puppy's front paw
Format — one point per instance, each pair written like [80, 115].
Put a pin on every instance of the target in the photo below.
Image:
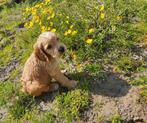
[73, 84]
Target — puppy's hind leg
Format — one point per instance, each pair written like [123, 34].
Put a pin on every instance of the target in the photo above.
[36, 89]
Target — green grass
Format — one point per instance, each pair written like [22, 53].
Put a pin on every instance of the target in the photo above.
[128, 64]
[142, 83]
[7, 90]
[70, 105]
[112, 43]
[116, 118]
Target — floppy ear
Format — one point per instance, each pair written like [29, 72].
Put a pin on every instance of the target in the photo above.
[38, 48]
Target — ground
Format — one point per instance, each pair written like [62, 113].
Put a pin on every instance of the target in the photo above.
[112, 86]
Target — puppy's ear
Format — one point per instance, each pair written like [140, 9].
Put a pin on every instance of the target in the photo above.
[38, 48]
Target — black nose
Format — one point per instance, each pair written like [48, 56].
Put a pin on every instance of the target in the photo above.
[61, 49]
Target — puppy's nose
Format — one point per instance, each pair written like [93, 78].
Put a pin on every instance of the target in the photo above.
[61, 49]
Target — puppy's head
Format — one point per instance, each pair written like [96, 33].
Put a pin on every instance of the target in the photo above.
[48, 46]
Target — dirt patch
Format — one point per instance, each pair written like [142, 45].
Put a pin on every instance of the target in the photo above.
[5, 71]
[112, 96]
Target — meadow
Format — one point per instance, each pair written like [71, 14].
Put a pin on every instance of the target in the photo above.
[106, 53]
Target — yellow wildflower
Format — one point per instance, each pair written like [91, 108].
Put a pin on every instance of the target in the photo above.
[31, 24]
[65, 33]
[91, 30]
[79, 67]
[48, 28]
[67, 21]
[44, 12]
[37, 5]
[53, 15]
[48, 18]
[73, 56]
[26, 25]
[27, 9]
[74, 32]
[67, 17]
[102, 8]
[43, 29]
[48, 1]
[89, 41]
[119, 18]
[102, 15]
[53, 30]
[34, 11]
[69, 31]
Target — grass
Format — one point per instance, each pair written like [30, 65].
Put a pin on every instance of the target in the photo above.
[142, 83]
[128, 64]
[93, 41]
[70, 105]
[116, 118]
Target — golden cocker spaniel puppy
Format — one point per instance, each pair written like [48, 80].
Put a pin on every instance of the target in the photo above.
[42, 66]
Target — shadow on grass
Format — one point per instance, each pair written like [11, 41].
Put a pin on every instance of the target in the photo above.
[110, 85]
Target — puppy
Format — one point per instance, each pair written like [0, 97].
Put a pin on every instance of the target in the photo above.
[42, 66]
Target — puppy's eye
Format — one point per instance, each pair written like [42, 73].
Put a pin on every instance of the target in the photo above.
[49, 46]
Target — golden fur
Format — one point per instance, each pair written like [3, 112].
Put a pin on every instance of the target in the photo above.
[42, 66]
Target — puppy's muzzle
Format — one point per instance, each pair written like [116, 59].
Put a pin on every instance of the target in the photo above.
[61, 49]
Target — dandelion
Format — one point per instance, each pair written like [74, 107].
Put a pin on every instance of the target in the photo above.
[26, 25]
[43, 29]
[27, 9]
[73, 56]
[102, 8]
[47, 1]
[67, 21]
[37, 6]
[89, 41]
[79, 67]
[44, 12]
[91, 30]
[69, 31]
[48, 28]
[66, 33]
[34, 11]
[119, 18]
[48, 18]
[53, 30]
[102, 15]
[74, 32]
[31, 24]
[53, 15]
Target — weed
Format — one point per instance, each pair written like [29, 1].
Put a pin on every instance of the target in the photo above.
[140, 82]
[128, 64]
[69, 105]
[20, 105]
[143, 95]
[7, 90]
[116, 118]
